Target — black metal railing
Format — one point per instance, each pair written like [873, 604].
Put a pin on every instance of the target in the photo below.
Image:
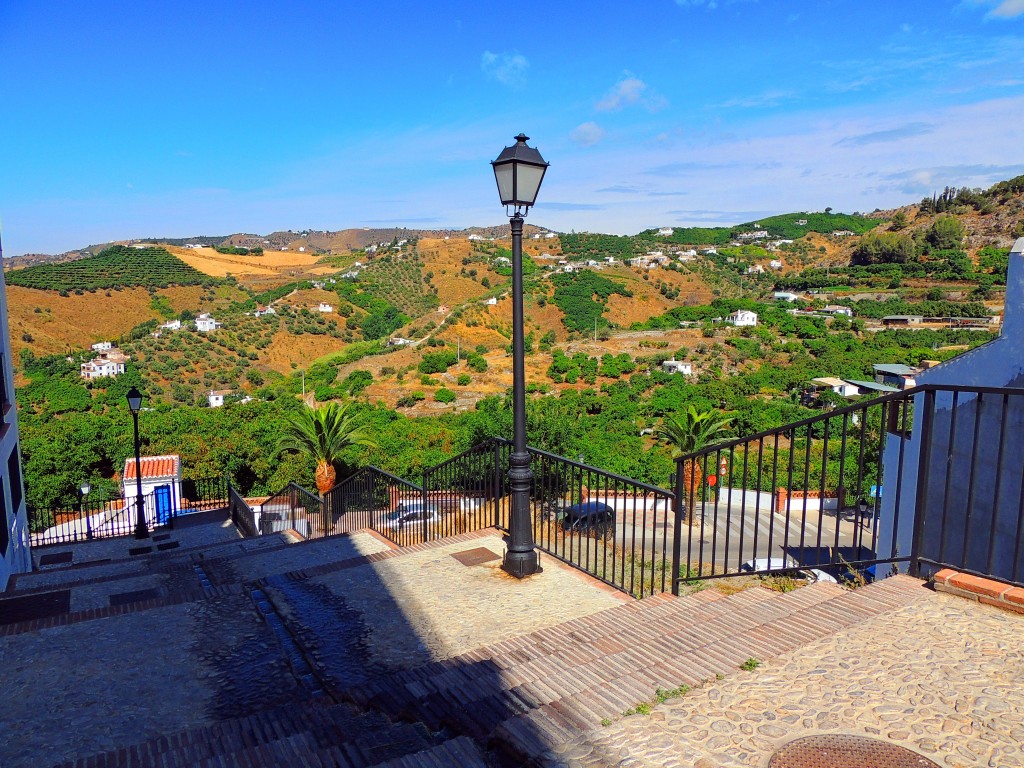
[805, 494]
[89, 520]
[373, 498]
[468, 491]
[969, 492]
[292, 508]
[241, 513]
[204, 494]
[915, 480]
[614, 528]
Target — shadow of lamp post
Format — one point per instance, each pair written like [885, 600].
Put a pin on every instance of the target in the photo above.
[134, 398]
[83, 497]
[519, 171]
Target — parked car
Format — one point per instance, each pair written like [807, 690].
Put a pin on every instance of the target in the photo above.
[411, 513]
[589, 517]
[787, 566]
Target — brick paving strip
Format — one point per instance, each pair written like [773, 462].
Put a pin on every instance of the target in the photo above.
[941, 677]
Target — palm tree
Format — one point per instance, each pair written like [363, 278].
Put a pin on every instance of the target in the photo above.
[323, 433]
[689, 432]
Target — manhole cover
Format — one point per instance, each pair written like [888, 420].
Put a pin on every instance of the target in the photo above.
[841, 751]
[477, 556]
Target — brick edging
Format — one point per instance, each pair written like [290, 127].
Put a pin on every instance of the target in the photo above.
[987, 591]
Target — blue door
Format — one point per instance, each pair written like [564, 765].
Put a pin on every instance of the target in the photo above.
[163, 503]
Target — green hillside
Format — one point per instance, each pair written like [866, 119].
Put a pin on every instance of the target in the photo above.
[783, 226]
[117, 267]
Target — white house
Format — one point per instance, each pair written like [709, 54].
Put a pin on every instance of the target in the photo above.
[677, 366]
[215, 397]
[837, 309]
[755, 269]
[742, 318]
[491, 301]
[325, 308]
[801, 222]
[666, 231]
[759, 234]
[172, 325]
[261, 311]
[687, 252]
[398, 341]
[775, 264]
[102, 346]
[206, 323]
[476, 237]
[839, 386]
[709, 251]
[109, 363]
[161, 486]
[784, 296]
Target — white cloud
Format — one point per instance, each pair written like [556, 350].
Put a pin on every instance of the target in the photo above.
[587, 134]
[507, 68]
[628, 92]
[1004, 9]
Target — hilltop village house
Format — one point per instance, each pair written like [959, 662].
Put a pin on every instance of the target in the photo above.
[742, 318]
[110, 362]
[205, 323]
[677, 366]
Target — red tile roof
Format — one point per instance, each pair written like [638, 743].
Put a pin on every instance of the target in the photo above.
[153, 467]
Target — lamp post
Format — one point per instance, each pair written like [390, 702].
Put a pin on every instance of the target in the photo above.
[519, 171]
[83, 493]
[134, 398]
[862, 513]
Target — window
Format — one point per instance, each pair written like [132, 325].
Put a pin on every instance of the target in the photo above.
[5, 529]
[14, 477]
[4, 401]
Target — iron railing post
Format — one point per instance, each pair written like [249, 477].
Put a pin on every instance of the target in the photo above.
[923, 467]
[496, 484]
[325, 514]
[677, 528]
[425, 494]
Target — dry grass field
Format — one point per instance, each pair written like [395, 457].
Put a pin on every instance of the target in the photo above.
[60, 323]
[286, 349]
[210, 262]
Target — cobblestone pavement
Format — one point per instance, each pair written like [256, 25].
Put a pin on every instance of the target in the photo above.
[426, 605]
[943, 677]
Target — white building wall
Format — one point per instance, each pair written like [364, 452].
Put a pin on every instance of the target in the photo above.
[15, 556]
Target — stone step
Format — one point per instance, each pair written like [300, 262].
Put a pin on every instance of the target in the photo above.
[461, 751]
[319, 734]
[556, 683]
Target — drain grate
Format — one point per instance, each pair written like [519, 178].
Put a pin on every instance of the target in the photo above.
[477, 556]
[841, 751]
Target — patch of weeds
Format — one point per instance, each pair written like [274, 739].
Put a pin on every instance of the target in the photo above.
[719, 676]
[605, 722]
[692, 577]
[779, 583]
[750, 664]
[661, 695]
[851, 578]
[643, 708]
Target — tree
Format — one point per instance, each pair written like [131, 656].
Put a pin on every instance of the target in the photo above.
[946, 234]
[687, 433]
[323, 434]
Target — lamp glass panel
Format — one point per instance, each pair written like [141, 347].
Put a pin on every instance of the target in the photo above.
[503, 175]
[530, 177]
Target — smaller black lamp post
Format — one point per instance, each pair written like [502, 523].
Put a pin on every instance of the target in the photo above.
[83, 494]
[134, 398]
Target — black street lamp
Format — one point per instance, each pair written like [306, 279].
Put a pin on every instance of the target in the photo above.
[134, 398]
[83, 494]
[519, 171]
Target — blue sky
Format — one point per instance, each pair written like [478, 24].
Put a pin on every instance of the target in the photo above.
[135, 119]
